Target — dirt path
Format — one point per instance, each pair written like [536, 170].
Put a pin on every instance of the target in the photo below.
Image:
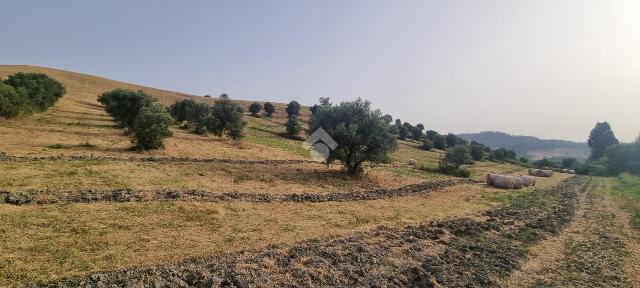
[598, 249]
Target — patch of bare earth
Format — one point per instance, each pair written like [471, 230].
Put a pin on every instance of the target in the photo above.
[598, 249]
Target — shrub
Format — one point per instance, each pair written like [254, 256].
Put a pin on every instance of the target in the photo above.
[569, 163]
[416, 132]
[431, 134]
[452, 170]
[293, 108]
[269, 108]
[452, 140]
[226, 118]
[152, 126]
[124, 105]
[458, 155]
[524, 159]
[545, 162]
[293, 126]
[453, 159]
[193, 113]
[426, 144]
[622, 158]
[255, 108]
[41, 90]
[12, 101]
[314, 109]
[477, 152]
[440, 142]
[362, 134]
[403, 132]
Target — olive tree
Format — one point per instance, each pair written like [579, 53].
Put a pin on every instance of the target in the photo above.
[226, 118]
[41, 90]
[255, 108]
[124, 105]
[12, 101]
[362, 134]
[152, 126]
[293, 108]
[269, 108]
[293, 126]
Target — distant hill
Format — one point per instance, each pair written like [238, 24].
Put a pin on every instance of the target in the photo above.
[529, 146]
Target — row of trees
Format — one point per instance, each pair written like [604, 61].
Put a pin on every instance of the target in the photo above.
[25, 93]
[224, 117]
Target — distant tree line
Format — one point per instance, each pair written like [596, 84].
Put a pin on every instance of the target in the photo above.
[26, 93]
[608, 155]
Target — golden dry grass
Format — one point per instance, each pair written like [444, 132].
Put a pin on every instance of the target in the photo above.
[78, 119]
[43, 242]
[213, 177]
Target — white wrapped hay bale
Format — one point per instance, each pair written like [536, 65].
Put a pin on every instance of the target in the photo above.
[413, 162]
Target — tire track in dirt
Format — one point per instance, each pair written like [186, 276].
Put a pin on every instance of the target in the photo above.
[597, 250]
[126, 195]
[451, 253]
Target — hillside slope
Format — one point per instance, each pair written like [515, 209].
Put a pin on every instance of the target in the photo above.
[79, 125]
[203, 196]
[530, 146]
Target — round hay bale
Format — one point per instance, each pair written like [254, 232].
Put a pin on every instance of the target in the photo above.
[528, 180]
[413, 162]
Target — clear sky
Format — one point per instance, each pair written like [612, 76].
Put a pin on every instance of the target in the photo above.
[544, 68]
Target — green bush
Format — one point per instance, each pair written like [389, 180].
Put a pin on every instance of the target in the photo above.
[440, 142]
[477, 152]
[545, 162]
[458, 155]
[192, 112]
[269, 108]
[569, 163]
[426, 144]
[293, 108]
[152, 126]
[293, 126]
[449, 169]
[226, 117]
[362, 134]
[12, 102]
[124, 105]
[41, 91]
[622, 158]
[255, 108]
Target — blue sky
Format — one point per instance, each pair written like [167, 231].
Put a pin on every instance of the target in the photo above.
[544, 68]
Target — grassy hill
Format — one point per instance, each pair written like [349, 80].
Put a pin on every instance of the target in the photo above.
[103, 207]
[530, 146]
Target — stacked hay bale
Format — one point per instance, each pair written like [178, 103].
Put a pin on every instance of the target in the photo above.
[540, 172]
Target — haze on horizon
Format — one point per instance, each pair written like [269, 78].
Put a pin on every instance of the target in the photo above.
[549, 69]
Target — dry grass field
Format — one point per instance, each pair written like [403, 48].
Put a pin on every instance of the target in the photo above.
[394, 204]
